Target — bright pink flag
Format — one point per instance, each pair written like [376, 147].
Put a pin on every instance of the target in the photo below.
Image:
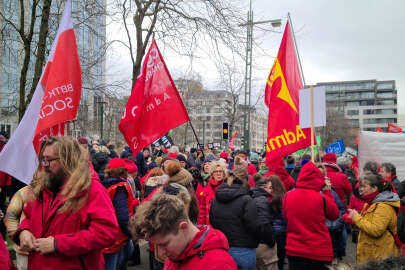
[154, 107]
[231, 143]
[56, 100]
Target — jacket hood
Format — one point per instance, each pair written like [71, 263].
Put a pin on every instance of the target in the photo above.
[206, 239]
[257, 192]
[388, 197]
[332, 167]
[311, 178]
[227, 193]
[111, 181]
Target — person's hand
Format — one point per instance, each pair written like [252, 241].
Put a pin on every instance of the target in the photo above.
[27, 240]
[352, 213]
[328, 184]
[45, 245]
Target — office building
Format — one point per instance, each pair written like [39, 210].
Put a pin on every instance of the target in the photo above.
[366, 104]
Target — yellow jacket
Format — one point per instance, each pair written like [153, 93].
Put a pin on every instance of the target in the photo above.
[375, 241]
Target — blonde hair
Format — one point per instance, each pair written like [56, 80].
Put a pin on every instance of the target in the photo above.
[77, 169]
[218, 164]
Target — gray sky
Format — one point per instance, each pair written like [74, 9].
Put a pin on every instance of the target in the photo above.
[338, 40]
[345, 40]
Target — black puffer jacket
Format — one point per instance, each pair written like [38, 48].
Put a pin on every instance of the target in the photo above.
[234, 213]
[265, 215]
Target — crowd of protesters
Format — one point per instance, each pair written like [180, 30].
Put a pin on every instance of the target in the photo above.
[89, 205]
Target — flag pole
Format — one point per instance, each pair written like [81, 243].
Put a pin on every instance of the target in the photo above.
[296, 48]
[312, 124]
[196, 137]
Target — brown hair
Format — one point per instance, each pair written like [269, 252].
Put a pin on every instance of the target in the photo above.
[116, 172]
[74, 166]
[277, 193]
[239, 176]
[161, 214]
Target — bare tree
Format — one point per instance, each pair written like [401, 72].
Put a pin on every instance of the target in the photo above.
[183, 26]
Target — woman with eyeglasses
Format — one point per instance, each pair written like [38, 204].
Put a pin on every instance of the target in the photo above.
[377, 222]
[234, 212]
[218, 174]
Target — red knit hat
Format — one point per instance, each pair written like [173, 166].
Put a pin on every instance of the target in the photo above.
[224, 155]
[116, 163]
[172, 155]
[82, 140]
[130, 165]
[329, 158]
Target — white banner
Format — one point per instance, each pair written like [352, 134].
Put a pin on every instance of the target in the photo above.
[383, 147]
[319, 107]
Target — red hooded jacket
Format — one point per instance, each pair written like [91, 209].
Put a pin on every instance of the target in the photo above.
[306, 211]
[339, 180]
[277, 168]
[5, 261]
[208, 250]
[79, 236]
[208, 194]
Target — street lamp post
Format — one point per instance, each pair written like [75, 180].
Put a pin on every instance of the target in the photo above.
[248, 72]
[101, 104]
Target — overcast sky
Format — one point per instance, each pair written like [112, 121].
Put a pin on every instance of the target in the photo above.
[338, 40]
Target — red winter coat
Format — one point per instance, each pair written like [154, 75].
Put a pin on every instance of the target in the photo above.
[208, 250]
[5, 179]
[205, 201]
[251, 169]
[304, 210]
[339, 180]
[5, 261]
[277, 167]
[79, 237]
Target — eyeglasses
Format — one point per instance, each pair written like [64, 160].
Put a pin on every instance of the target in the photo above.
[47, 162]
[218, 171]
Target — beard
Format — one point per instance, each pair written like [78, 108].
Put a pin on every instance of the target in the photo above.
[54, 181]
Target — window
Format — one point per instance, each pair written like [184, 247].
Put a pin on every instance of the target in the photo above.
[367, 102]
[385, 85]
[385, 102]
[352, 112]
[385, 95]
[352, 103]
[367, 95]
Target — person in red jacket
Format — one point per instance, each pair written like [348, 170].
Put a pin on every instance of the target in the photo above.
[306, 209]
[276, 167]
[164, 220]
[218, 175]
[339, 180]
[72, 219]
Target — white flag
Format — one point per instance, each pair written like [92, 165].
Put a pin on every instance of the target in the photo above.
[319, 107]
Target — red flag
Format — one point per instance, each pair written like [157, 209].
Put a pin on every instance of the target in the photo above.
[231, 143]
[379, 130]
[357, 140]
[394, 129]
[154, 107]
[62, 82]
[284, 135]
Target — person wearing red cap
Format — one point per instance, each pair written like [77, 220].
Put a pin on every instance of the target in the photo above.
[339, 180]
[122, 198]
[224, 156]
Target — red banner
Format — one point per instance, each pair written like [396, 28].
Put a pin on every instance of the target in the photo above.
[379, 130]
[394, 129]
[231, 143]
[62, 82]
[154, 107]
[284, 135]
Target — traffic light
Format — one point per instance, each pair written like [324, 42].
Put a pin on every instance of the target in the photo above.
[225, 130]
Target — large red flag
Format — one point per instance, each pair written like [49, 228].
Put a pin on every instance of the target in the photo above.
[154, 107]
[284, 135]
[379, 130]
[394, 129]
[62, 81]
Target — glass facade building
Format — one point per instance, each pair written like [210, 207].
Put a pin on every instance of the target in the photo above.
[90, 29]
[366, 105]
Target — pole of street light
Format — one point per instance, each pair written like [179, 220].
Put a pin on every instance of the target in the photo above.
[248, 72]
